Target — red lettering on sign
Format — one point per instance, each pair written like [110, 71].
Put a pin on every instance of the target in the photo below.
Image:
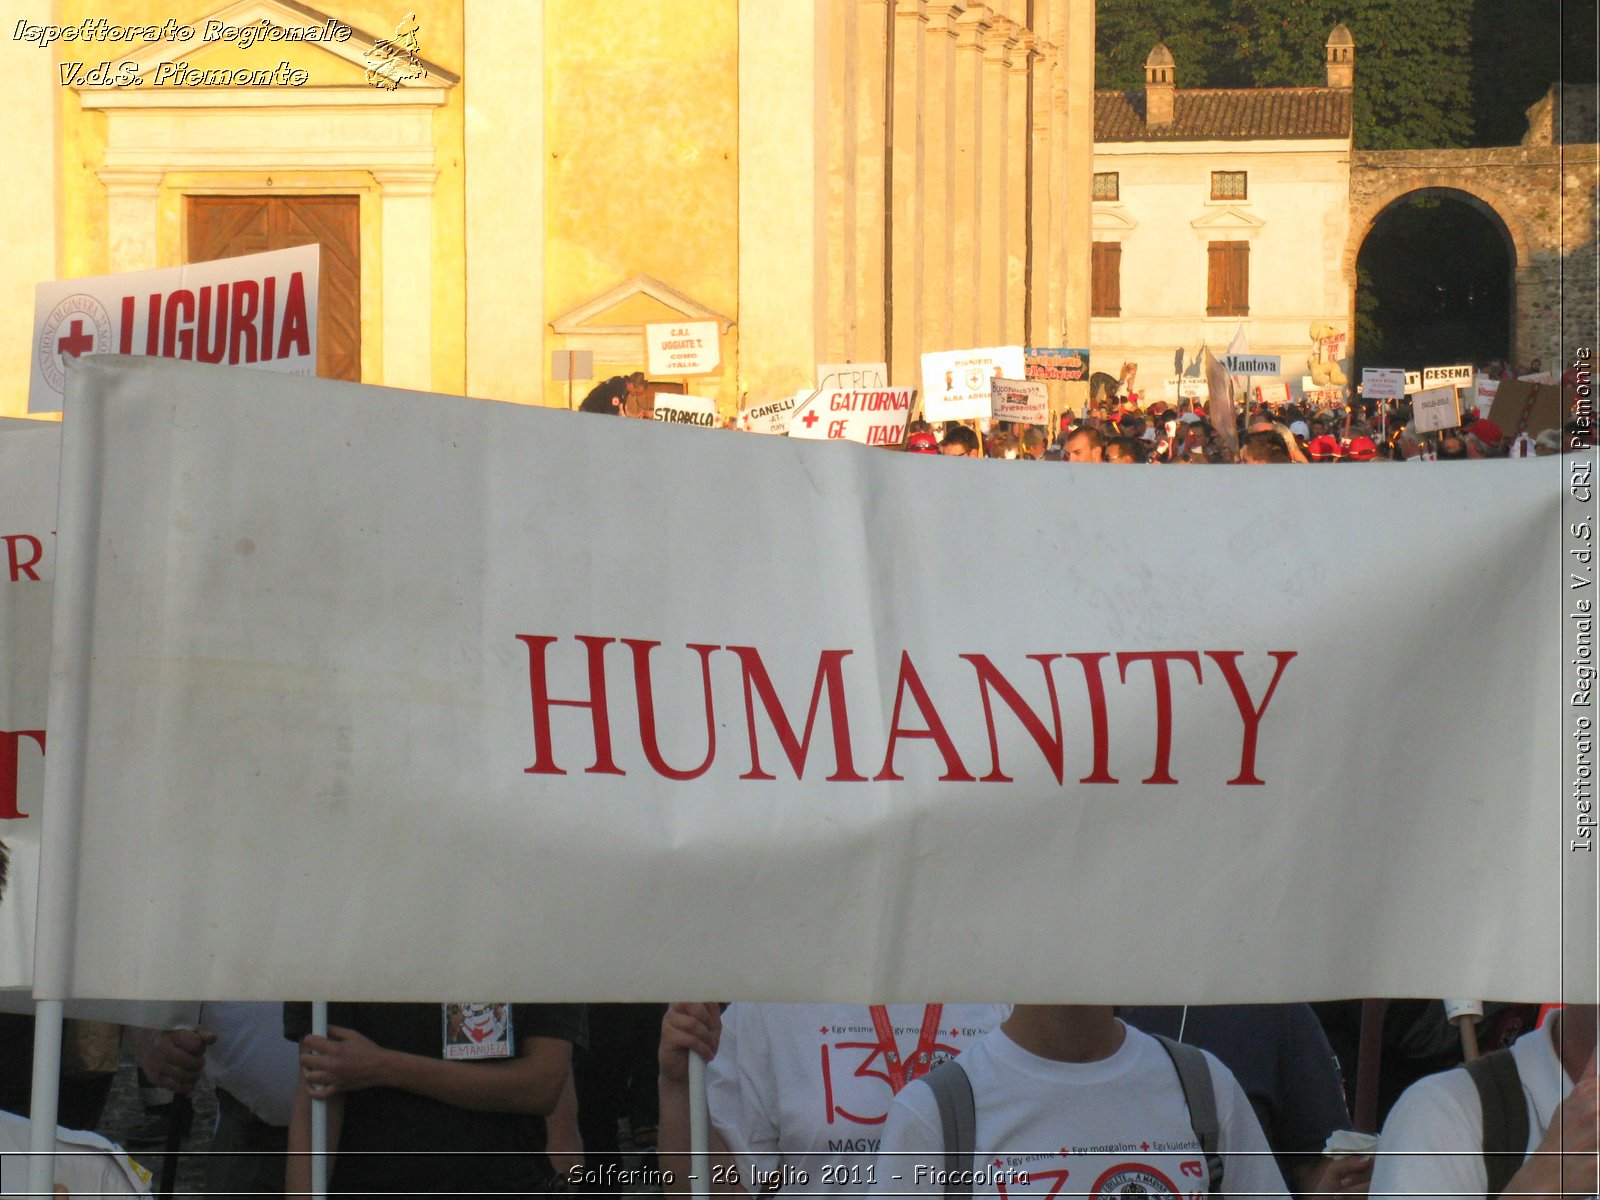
[18, 568]
[647, 709]
[1097, 717]
[989, 677]
[954, 771]
[1158, 660]
[9, 741]
[1248, 712]
[178, 341]
[539, 687]
[211, 334]
[242, 323]
[830, 676]
[296, 335]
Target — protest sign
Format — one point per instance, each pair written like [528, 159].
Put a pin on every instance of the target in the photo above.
[257, 310]
[851, 377]
[1383, 383]
[1413, 382]
[771, 416]
[327, 647]
[1529, 407]
[1023, 401]
[955, 383]
[1537, 377]
[1434, 409]
[1483, 391]
[876, 417]
[1179, 386]
[1253, 364]
[1042, 362]
[680, 409]
[1273, 393]
[1456, 377]
[682, 348]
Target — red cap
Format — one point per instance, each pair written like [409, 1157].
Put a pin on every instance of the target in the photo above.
[1486, 431]
[1361, 449]
[1323, 448]
[922, 442]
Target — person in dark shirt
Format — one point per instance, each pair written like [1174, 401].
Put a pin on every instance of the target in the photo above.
[433, 1081]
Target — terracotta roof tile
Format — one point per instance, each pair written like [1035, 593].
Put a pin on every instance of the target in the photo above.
[1221, 114]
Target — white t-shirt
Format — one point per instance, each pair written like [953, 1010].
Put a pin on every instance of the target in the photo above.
[799, 1092]
[1116, 1127]
[1443, 1112]
[251, 1058]
[87, 1163]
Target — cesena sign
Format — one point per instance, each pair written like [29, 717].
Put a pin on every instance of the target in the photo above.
[257, 310]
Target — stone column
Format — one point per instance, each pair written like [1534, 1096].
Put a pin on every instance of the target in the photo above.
[504, 134]
[1042, 222]
[1077, 170]
[873, 31]
[1019, 179]
[908, 203]
[939, 180]
[967, 208]
[407, 219]
[837, 185]
[780, 294]
[993, 230]
[132, 220]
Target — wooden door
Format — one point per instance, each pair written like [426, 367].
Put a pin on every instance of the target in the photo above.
[224, 226]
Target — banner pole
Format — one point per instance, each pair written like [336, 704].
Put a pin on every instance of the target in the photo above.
[699, 1129]
[46, 1096]
[319, 1114]
[78, 527]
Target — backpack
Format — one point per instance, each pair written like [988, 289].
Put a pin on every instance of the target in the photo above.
[958, 1116]
[1505, 1117]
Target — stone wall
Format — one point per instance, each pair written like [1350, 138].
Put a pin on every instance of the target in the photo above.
[1544, 197]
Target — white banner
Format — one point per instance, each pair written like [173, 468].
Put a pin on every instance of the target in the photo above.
[1253, 364]
[345, 656]
[1024, 401]
[257, 310]
[955, 383]
[1413, 382]
[873, 418]
[682, 348]
[30, 452]
[686, 410]
[1179, 386]
[851, 377]
[1435, 409]
[1457, 376]
[1383, 383]
[770, 416]
[1483, 392]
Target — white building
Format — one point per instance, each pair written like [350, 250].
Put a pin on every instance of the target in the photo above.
[1216, 207]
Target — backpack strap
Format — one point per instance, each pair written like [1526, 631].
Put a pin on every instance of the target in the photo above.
[1194, 1074]
[959, 1119]
[1505, 1117]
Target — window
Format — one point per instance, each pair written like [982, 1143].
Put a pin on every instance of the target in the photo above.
[1228, 279]
[1105, 185]
[1230, 185]
[1105, 280]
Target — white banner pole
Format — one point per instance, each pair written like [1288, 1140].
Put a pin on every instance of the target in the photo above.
[46, 1094]
[699, 1129]
[319, 1113]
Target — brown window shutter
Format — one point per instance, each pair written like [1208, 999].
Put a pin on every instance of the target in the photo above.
[1217, 279]
[1241, 279]
[1105, 280]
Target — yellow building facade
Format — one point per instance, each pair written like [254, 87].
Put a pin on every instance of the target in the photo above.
[497, 184]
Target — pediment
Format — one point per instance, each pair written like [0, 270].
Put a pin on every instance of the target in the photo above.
[420, 81]
[1228, 218]
[1118, 220]
[629, 307]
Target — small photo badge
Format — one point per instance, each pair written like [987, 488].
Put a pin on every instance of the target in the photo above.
[473, 1031]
